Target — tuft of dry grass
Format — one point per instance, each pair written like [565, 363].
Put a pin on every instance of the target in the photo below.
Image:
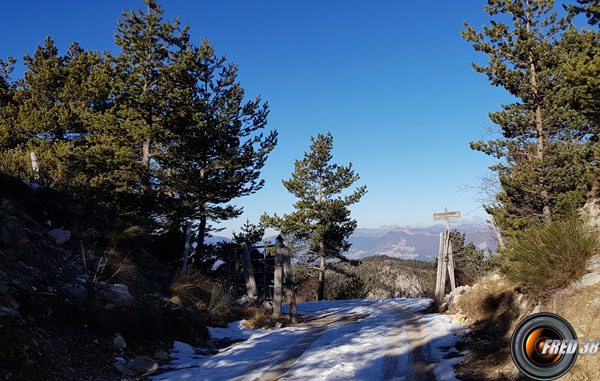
[114, 267]
[80, 231]
[259, 319]
[195, 289]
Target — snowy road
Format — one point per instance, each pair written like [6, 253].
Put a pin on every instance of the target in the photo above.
[393, 342]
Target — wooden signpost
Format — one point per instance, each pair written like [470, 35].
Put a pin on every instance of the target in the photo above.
[445, 259]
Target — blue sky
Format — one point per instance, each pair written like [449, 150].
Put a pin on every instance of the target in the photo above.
[391, 80]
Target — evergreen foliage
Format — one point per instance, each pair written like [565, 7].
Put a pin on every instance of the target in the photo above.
[321, 222]
[547, 152]
[160, 132]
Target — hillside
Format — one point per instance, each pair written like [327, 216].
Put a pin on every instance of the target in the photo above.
[75, 293]
[376, 277]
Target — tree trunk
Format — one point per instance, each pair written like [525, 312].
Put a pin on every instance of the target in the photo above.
[201, 232]
[146, 153]
[539, 123]
[278, 279]
[321, 292]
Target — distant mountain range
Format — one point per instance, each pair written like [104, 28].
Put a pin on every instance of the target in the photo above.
[420, 243]
[405, 242]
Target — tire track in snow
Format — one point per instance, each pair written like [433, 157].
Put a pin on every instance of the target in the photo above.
[417, 365]
[281, 361]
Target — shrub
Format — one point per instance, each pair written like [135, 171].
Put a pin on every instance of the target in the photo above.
[550, 256]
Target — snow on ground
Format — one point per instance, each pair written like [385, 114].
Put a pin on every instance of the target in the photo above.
[343, 351]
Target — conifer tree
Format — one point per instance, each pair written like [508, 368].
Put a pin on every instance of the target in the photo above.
[220, 147]
[321, 220]
[521, 61]
[9, 136]
[146, 81]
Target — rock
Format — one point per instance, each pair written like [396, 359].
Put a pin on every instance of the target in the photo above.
[119, 342]
[245, 301]
[125, 371]
[60, 236]
[143, 365]
[77, 292]
[117, 294]
[268, 307]
[182, 348]
[588, 280]
[161, 356]
[593, 264]
[90, 260]
[278, 324]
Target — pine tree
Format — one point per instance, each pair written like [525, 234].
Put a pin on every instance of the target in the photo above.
[9, 136]
[541, 152]
[321, 221]
[145, 83]
[220, 149]
[250, 233]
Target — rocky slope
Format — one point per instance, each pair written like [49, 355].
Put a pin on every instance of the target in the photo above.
[62, 314]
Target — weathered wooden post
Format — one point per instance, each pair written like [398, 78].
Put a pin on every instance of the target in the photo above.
[186, 249]
[444, 260]
[438, 279]
[451, 266]
[248, 273]
[445, 257]
[289, 283]
[278, 277]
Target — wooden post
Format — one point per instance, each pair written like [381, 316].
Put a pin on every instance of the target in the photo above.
[248, 273]
[451, 266]
[445, 257]
[35, 166]
[289, 283]
[444, 266]
[438, 280]
[186, 249]
[278, 277]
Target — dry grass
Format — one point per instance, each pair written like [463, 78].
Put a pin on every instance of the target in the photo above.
[113, 267]
[581, 308]
[259, 319]
[81, 231]
[193, 288]
[488, 300]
